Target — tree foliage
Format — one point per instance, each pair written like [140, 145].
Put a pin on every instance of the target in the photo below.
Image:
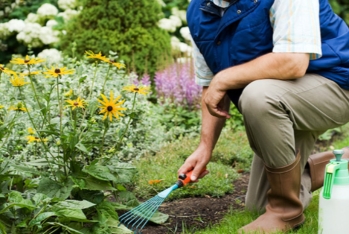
[126, 27]
[341, 7]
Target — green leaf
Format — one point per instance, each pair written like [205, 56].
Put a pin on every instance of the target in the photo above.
[159, 218]
[26, 169]
[71, 213]
[125, 172]
[16, 199]
[95, 197]
[52, 188]
[81, 147]
[108, 209]
[100, 172]
[66, 228]
[41, 217]
[91, 183]
[38, 198]
[74, 204]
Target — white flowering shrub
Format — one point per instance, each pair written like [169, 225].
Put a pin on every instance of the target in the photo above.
[67, 4]
[47, 11]
[52, 56]
[176, 24]
[38, 30]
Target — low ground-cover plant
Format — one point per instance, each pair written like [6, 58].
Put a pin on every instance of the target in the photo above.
[159, 171]
[64, 131]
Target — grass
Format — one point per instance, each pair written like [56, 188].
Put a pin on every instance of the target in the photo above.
[232, 151]
[163, 167]
[236, 219]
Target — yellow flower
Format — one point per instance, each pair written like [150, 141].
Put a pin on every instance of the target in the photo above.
[31, 131]
[19, 107]
[90, 54]
[18, 81]
[111, 107]
[112, 62]
[69, 93]
[26, 61]
[58, 72]
[76, 103]
[5, 70]
[134, 89]
[1, 106]
[41, 140]
[31, 139]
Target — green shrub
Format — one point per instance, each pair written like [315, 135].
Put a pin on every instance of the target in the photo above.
[341, 8]
[127, 27]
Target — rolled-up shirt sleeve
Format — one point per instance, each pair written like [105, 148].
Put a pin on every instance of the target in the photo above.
[296, 27]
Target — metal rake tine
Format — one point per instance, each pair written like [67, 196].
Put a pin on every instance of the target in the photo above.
[149, 213]
[129, 216]
[152, 213]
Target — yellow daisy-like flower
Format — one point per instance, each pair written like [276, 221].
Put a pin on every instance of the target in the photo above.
[31, 131]
[19, 107]
[27, 61]
[92, 55]
[69, 93]
[30, 73]
[111, 107]
[76, 103]
[31, 139]
[5, 70]
[134, 89]
[17, 81]
[112, 62]
[55, 72]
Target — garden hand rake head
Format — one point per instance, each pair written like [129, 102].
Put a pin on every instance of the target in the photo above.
[138, 217]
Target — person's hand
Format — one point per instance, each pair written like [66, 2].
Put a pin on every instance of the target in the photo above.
[214, 100]
[197, 162]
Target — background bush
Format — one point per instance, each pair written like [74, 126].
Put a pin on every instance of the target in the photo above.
[126, 27]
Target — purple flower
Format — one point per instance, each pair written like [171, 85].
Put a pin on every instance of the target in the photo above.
[177, 84]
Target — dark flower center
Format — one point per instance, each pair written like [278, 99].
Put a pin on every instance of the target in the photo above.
[109, 108]
[76, 103]
[136, 89]
[57, 70]
[36, 138]
[2, 68]
[26, 61]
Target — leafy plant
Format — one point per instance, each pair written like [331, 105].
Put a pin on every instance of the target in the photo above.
[64, 127]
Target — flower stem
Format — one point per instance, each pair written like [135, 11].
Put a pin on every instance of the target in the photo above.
[101, 149]
[117, 145]
[39, 135]
[35, 93]
[106, 78]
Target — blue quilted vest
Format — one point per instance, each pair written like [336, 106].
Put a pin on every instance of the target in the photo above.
[244, 32]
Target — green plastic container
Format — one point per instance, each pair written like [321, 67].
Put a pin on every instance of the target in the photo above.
[334, 197]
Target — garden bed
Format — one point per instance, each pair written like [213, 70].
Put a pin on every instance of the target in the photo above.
[199, 212]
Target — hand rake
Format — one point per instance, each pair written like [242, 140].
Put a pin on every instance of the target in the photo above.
[138, 217]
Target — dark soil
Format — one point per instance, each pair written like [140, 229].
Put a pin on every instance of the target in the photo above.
[199, 212]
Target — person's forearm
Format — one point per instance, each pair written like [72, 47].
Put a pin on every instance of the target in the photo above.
[211, 126]
[284, 66]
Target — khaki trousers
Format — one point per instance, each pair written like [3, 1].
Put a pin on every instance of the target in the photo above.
[282, 117]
